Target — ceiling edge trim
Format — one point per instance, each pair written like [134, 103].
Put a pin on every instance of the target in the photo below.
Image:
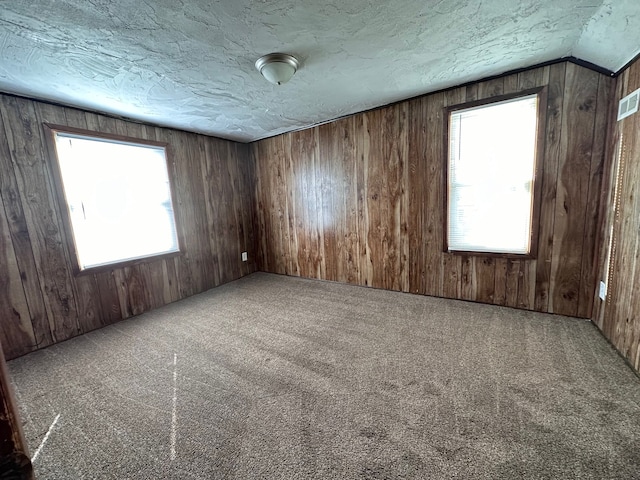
[570, 59]
[589, 65]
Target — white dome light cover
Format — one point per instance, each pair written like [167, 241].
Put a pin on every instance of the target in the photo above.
[277, 68]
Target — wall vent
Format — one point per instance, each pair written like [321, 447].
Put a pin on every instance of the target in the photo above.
[629, 105]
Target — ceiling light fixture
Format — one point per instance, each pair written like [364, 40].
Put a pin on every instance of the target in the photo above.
[278, 68]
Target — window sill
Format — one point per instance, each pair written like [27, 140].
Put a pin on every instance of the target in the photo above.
[507, 256]
[127, 263]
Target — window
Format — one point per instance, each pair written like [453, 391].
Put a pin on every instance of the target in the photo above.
[491, 176]
[117, 197]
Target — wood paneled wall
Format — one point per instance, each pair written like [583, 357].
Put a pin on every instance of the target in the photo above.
[361, 200]
[41, 301]
[619, 315]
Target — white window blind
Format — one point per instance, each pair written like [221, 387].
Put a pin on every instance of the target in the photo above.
[492, 151]
[118, 198]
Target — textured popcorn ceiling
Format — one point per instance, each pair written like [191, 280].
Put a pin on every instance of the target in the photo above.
[190, 65]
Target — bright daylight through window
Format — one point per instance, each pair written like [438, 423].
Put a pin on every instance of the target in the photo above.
[118, 198]
[492, 161]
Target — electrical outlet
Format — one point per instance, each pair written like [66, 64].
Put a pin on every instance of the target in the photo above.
[603, 291]
[244, 256]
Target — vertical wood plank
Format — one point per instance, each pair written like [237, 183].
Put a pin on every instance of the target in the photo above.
[362, 147]
[350, 204]
[188, 169]
[329, 148]
[616, 270]
[627, 248]
[485, 278]
[18, 335]
[468, 280]
[239, 185]
[510, 84]
[374, 200]
[276, 234]
[451, 273]
[317, 181]
[33, 179]
[293, 210]
[471, 92]
[307, 225]
[572, 187]
[224, 223]
[136, 290]
[552, 152]
[491, 88]
[284, 217]
[433, 210]
[609, 200]
[390, 205]
[402, 193]
[500, 282]
[244, 180]
[418, 203]
[213, 197]
[533, 78]
[588, 278]
[512, 283]
[526, 285]
[108, 297]
[260, 195]
[22, 249]
[298, 196]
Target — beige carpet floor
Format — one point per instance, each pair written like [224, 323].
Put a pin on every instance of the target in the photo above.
[272, 377]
